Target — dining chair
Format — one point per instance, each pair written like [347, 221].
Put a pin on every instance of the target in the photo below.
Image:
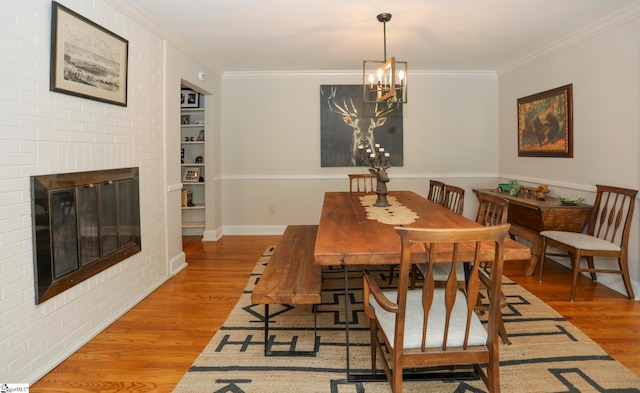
[433, 326]
[454, 201]
[607, 235]
[492, 210]
[437, 195]
[362, 182]
[453, 198]
[436, 192]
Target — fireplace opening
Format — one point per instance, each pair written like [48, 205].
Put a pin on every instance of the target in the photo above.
[83, 223]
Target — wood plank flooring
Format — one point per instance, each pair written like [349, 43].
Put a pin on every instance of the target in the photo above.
[149, 348]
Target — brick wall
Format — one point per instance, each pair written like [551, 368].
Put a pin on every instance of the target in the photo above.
[43, 132]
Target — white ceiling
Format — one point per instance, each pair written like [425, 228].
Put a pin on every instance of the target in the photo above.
[306, 35]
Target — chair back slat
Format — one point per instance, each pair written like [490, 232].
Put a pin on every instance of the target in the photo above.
[612, 213]
[427, 301]
[454, 198]
[436, 192]
[362, 182]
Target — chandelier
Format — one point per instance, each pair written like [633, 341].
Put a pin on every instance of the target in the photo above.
[384, 81]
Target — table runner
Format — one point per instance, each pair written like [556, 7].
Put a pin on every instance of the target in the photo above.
[396, 214]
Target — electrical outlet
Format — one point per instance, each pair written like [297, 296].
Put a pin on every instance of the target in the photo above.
[272, 208]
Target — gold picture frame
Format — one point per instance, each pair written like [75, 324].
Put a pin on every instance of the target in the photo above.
[87, 60]
[545, 123]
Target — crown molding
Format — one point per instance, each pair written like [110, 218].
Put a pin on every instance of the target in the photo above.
[350, 74]
[604, 25]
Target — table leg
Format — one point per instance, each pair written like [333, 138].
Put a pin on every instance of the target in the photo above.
[536, 245]
[536, 252]
[346, 315]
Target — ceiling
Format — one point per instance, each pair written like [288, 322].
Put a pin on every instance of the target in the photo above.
[317, 35]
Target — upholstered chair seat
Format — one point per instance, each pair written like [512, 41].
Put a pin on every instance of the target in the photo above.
[581, 240]
[435, 327]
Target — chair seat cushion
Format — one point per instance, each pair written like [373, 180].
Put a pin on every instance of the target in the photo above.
[441, 271]
[435, 328]
[581, 241]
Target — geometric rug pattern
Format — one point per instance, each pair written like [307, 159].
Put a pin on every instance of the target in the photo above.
[547, 354]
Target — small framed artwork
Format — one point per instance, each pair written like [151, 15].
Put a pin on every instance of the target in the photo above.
[87, 60]
[189, 99]
[545, 124]
[191, 175]
[185, 119]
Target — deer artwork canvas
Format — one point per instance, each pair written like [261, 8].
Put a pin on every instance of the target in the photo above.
[346, 123]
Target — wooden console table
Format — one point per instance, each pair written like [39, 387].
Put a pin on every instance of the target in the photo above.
[529, 216]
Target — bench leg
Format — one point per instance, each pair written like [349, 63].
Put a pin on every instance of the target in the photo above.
[266, 329]
[269, 352]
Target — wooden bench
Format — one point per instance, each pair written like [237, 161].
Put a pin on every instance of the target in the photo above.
[291, 277]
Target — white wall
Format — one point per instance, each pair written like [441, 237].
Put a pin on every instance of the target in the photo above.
[183, 70]
[604, 68]
[271, 151]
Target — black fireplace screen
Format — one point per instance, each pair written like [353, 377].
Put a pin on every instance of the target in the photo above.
[83, 223]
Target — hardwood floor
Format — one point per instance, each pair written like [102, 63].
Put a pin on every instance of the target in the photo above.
[150, 347]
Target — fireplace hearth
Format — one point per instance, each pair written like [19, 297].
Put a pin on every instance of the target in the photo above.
[83, 223]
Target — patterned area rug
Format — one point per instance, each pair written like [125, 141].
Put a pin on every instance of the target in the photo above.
[547, 354]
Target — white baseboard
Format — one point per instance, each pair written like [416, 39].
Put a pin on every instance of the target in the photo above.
[177, 263]
[253, 230]
[211, 235]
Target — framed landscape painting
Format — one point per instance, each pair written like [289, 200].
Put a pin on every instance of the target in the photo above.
[87, 60]
[545, 124]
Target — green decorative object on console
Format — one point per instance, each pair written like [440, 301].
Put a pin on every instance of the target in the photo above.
[571, 202]
[506, 187]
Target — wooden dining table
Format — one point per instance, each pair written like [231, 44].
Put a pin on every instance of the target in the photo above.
[347, 237]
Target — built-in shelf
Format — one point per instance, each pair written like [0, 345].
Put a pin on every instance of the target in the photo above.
[194, 224]
[192, 145]
[193, 207]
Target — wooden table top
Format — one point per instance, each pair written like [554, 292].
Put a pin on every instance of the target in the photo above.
[347, 236]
